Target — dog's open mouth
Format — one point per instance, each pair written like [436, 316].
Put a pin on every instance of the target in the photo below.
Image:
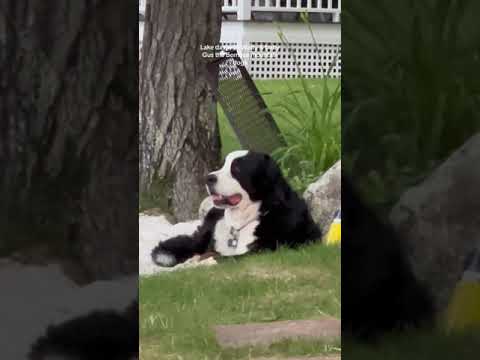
[231, 200]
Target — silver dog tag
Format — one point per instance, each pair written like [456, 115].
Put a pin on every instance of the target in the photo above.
[233, 241]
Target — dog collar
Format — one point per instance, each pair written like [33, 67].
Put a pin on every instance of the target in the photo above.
[234, 234]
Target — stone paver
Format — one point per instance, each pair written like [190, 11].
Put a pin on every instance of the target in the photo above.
[267, 333]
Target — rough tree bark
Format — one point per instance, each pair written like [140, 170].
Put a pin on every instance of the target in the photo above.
[69, 130]
[179, 140]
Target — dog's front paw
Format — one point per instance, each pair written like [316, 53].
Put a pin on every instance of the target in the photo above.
[162, 257]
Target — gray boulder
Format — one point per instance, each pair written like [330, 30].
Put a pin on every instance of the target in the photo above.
[323, 197]
[440, 220]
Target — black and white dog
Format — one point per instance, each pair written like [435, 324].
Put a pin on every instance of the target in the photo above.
[255, 209]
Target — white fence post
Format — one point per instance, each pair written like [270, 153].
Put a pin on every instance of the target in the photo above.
[336, 15]
[244, 11]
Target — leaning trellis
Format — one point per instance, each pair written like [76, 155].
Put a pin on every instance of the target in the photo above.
[243, 105]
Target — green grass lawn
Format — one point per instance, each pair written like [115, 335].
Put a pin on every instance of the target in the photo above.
[178, 310]
[273, 93]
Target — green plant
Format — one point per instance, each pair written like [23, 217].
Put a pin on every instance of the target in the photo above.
[411, 96]
[313, 136]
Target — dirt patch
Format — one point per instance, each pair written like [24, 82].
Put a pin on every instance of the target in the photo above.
[278, 273]
[268, 333]
[270, 274]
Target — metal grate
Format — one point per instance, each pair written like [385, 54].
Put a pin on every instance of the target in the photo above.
[243, 105]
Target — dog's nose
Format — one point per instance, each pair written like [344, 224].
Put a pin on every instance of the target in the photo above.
[211, 179]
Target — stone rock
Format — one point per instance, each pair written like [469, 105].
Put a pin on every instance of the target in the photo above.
[205, 207]
[440, 220]
[323, 197]
[268, 333]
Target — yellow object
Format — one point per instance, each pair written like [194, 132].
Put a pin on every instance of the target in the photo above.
[463, 312]
[334, 234]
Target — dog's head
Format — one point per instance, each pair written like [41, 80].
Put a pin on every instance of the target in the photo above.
[245, 177]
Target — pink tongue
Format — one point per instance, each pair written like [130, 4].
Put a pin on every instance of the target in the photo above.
[234, 199]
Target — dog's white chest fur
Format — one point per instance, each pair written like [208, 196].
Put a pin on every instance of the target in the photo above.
[236, 231]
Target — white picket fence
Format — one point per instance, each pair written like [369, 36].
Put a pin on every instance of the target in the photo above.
[266, 56]
[244, 8]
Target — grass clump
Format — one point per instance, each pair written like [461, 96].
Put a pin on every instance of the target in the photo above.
[313, 136]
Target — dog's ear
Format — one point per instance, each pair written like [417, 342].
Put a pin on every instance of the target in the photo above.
[274, 182]
[272, 173]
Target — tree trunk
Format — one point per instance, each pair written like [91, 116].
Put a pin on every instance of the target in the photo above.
[179, 140]
[68, 131]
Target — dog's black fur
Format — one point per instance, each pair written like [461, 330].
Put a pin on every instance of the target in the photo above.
[285, 219]
[380, 293]
[99, 335]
